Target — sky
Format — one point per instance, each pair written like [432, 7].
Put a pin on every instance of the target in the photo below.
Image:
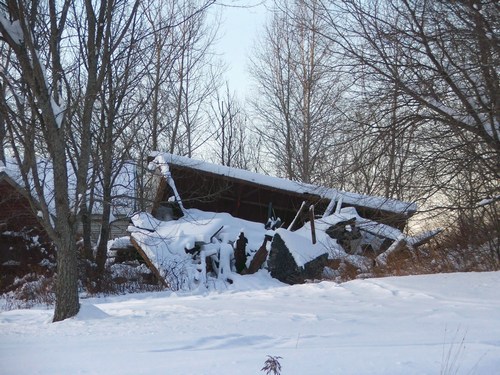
[238, 33]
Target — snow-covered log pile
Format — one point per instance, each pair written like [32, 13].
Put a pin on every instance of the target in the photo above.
[293, 259]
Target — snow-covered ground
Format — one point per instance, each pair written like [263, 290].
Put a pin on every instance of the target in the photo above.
[435, 324]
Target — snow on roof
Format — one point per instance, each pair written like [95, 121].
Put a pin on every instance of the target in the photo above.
[380, 203]
[194, 226]
[301, 248]
[123, 191]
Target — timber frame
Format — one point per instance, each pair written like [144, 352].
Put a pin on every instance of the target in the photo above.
[249, 198]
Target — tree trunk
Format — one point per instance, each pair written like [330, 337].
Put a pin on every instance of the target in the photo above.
[3, 133]
[102, 246]
[67, 303]
[86, 233]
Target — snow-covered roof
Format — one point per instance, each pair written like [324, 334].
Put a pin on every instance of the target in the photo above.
[348, 198]
[123, 191]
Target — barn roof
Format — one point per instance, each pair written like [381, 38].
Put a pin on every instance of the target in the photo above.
[123, 191]
[247, 195]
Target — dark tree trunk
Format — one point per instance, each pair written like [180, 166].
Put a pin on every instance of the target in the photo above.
[67, 302]
[102, 246]
[86, 232]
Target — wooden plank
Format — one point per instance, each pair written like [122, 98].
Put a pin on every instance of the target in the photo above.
[150, 264]
[302, 206]
[313, 229]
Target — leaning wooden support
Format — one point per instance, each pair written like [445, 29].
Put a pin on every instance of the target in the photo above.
[259, 258]
[302, 206]
[150, 264]
[330, 208]
[339, 205]
[397, 246]
[313, 229]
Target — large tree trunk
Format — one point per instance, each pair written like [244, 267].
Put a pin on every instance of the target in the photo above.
[67, 303]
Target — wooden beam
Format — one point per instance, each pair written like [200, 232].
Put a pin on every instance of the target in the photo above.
[150, 264]
[313, 229]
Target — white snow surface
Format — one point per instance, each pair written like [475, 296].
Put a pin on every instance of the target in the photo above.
[398, 325]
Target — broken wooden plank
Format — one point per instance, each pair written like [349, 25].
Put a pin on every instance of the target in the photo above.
[299, 212]
[313, 229]
[339, 205]
[259, 258]
[397, 246]
[148, 262]
[330, 208]
[426, 237]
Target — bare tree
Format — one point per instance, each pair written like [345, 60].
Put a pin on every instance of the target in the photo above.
[195, 79]
[441, 60]
[181, 74]
[117, 108]
[297, 90]
[49, 42]
[231, 137]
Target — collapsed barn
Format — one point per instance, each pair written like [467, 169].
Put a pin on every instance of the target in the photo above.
[209, 222]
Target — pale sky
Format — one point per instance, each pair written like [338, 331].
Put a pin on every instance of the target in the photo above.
[238, 33]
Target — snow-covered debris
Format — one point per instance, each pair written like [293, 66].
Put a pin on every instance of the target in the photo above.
[143, 220]
[199, 241]
[178, 243]
[301, 248]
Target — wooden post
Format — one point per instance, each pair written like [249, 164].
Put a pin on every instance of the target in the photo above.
[339, 206]
[330, 208]
[290, 227]
[311, 219]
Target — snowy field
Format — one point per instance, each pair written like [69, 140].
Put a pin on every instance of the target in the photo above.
[436, 324]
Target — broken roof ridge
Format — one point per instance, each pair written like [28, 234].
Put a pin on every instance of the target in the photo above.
[374, 202]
